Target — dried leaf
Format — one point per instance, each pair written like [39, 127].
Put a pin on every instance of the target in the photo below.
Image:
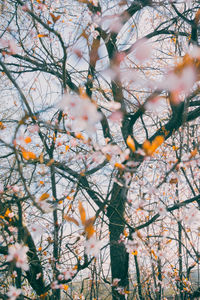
[193, 153]
[54, 18]
[71, 219]
[44, 197]
[173, 181]
[89, 228]
[41, 158]
[50, 162]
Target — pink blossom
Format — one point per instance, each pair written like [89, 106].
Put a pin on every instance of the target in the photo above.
[116, 116]
[83, 112]
[17, 253]
[112, 105]
[191, 216]
[115, 281]
[15, 188]
[13, 293]
[68, 273]
[38, 275]
[161, 209]
[55, 285]
[33, 128]
[10, 44]
[132, 246]
[142, 50]
[93, 247]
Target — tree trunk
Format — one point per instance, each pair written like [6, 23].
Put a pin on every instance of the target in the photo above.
[118, 255]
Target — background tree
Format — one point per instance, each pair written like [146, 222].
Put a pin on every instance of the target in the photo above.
[100, 149]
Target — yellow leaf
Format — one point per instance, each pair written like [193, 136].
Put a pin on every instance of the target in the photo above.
[82, 213]
[130, 143]
[44, 196]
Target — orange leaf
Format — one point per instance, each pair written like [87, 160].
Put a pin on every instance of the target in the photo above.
[155, 256]
[28, 155]
[82, 213]
[158, 140]
[79, 136]
[44, 196]
[147, 147]
[7, 212]
[70, 219]
[27, 139]
[130, 143]
[119, 166]
[65, 287]
[42, 35]
[2, 126]
[89, 228]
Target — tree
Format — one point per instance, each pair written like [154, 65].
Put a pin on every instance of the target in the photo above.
[100, 149]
